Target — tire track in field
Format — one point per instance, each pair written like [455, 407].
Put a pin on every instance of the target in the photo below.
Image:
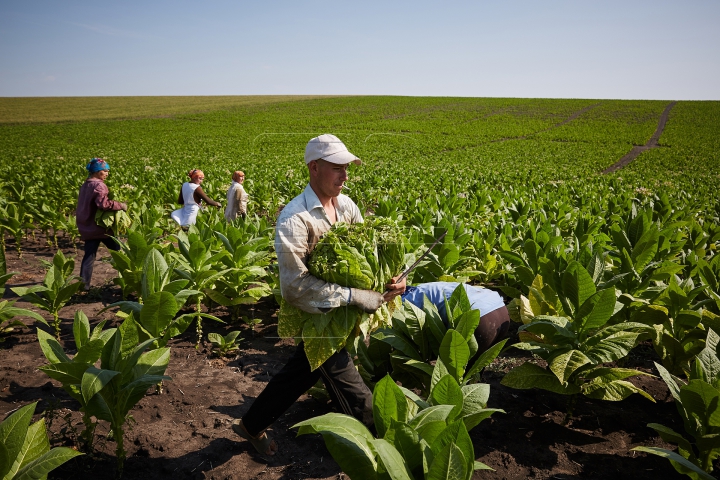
[638, 149]
[569, 119]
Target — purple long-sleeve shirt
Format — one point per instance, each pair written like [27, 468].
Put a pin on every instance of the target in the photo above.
[93, 196]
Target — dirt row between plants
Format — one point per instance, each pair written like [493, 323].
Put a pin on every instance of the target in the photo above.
[638, 149]
[184, 432]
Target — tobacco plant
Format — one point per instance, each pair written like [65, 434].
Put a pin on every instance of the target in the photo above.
[247, 260]
[25, 451]
[698, 403]
[576, 341]
[415, 339]
[69, 371]
[126, 372]
[678, 332]
[129, 262]
[162, 300]
[223, 345]
[413, 442]
[56, 290]
[199, 266]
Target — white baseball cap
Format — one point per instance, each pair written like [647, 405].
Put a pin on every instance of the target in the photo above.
[329, 148]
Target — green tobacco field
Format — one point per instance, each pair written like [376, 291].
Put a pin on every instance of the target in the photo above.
[613, 280]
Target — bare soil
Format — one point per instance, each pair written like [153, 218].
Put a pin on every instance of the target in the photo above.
[184, 432]
[638, 149]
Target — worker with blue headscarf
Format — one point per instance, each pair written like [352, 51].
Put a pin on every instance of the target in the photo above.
[93, 197]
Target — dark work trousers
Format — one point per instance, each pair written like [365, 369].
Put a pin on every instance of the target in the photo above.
[492, 328]
[91, 248]
[342, 380]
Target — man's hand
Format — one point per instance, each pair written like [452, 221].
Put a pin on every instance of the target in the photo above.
[123, 206]
[368, 300]
[394, 288]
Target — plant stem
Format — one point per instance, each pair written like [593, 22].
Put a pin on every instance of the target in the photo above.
[570, 407]
[56, 324]
[88, 435]
[119, 450]
[198, 327]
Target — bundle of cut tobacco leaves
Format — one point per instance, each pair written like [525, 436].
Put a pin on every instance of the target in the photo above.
[116, 220]
[362, 255]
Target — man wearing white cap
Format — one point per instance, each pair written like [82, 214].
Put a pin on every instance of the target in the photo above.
[299, 227]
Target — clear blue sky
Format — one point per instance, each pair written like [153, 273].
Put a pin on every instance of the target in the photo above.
[553, 48]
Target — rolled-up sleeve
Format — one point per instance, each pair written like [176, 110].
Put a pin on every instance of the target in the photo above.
[297, 285]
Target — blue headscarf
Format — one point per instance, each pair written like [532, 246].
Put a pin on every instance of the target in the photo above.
[97, 164]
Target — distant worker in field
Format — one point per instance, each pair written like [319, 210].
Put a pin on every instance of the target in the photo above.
[299, 228]
[237, 199]
[93, 197]
[494, 316]
[191, 196]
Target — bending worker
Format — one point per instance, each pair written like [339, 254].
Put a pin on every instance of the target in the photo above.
[494, 316]
[191, 197]
[237, 199]
[93, 197]
[299, 227]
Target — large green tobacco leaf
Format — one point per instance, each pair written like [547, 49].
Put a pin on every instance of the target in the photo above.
[577, 285]
[448, 464]
[681, 464]
[408, 442]
[529, 375]
[14, 429]
[348, 441]
[645, 248]
[25, 450]
[457, 305]
[455, 353]
[595, 311]
[448, 392]
[614, 342]
[456, 434]
[613, 390]
[398, 342]
[81, 329]
[36, 444]
[392, 461]
[157, 312]
[565, 364]
[700, 399]
[49, 461]
[389, 405]
[95, 380]
[154, 269]
[51, 348]
[321, 344]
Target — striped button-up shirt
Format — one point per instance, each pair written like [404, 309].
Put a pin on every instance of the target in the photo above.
[299, 227]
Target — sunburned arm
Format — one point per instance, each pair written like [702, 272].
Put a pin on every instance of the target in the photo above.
[199, 195]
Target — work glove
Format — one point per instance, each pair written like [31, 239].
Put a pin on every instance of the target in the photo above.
[367, 300]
